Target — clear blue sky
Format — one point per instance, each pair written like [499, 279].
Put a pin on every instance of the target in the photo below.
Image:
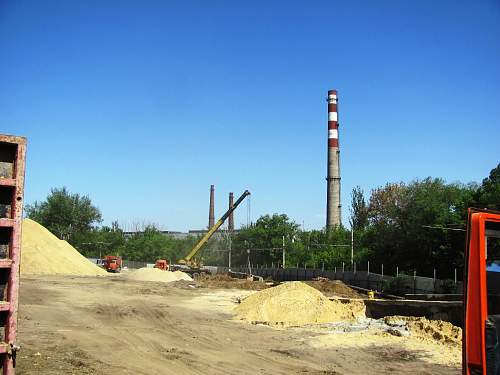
[143, 104]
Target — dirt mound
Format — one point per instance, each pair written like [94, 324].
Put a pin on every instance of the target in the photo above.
[429, 330]
[294, 304]
[155, 274]
[227, 282]
[42, 253]
[334, 288]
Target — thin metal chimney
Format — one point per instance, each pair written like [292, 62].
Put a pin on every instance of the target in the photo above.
[230, 223]
[211, 215]
[333, 207]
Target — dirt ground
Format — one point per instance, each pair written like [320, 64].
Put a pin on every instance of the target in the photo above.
[108, 325]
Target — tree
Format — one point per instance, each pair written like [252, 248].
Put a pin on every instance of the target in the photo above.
[265, 239]
[65, 214]
[358, 209]
[488, 195]
[149, 245]
[100, 241]
[418, 225]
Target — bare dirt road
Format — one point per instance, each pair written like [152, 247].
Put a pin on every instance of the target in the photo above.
[108, 325]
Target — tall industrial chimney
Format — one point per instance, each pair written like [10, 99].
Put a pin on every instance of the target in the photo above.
[333, 206]
[211, 216]
[230, 223]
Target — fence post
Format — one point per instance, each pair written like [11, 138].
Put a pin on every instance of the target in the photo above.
[397, 271]
[354, 267]
[414, 281]
[368, 267]
[382, 270]
[323, 267]
[343, 267]
[434, 275]
[455, 276]
[335, 271]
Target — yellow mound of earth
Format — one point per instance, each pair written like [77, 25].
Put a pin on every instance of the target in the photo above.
[294, 304]
[155, 274]
[42, 253]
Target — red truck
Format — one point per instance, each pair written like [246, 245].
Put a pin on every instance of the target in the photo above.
[112, 263]
[162, 264]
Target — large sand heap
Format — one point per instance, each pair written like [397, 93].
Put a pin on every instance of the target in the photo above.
[294, 304]
[155, 274]
[42, 253]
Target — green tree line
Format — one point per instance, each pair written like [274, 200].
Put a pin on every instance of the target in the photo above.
[416, 226]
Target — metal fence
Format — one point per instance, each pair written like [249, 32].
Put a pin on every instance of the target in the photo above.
[401, 285]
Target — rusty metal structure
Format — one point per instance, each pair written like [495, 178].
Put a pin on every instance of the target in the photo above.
[12, 165]
[333, 206]
[230, 222]
[211, 215]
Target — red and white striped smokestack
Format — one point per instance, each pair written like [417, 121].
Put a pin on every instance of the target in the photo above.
[211, 215]
[230, 223]
[333, 207]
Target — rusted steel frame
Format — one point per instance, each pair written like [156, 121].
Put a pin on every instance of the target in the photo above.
[9, 347]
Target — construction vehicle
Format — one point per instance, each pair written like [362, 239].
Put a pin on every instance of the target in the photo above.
[189, 264]
[162, 264]
[112, 263]
[481, 298]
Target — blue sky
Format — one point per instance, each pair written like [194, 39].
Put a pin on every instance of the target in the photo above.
[143, 104]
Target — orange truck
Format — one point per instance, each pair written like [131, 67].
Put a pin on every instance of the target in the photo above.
[162, 264]
[481, 334]
[112, 263]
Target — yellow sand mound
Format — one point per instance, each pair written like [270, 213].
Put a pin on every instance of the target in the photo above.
[155, 274]
[430, 330]
[294, 304]
[42, 253]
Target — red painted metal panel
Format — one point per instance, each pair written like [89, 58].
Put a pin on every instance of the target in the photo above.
[7, 182]
[476, 293]
[7, 223]
[10, 266]
[5, 263]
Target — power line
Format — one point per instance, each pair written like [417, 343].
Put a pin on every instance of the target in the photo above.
[443, 228]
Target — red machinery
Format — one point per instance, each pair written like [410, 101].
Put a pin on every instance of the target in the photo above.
[12, 164]
[112, 263]
[481, 334]
[162, 264]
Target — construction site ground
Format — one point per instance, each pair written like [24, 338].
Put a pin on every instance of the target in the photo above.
[111, 325]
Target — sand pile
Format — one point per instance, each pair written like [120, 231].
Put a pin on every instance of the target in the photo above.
[294, 304]
[334, 288]
[429, 330]
[155, 274]
[42, 253]
[228, 282]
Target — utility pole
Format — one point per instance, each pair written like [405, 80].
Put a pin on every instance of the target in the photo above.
[283, 251]
[352, 246]
[230, 252]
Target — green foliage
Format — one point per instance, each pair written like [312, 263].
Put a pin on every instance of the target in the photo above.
[358, 210]
[265, 238]
[488, 195]
[417, 225]
[151, 244]
[65, 214]
[100, 241]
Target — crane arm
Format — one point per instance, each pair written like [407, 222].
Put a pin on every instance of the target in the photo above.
[212, 230]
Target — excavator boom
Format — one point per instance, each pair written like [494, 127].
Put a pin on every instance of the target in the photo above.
[211, 231]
